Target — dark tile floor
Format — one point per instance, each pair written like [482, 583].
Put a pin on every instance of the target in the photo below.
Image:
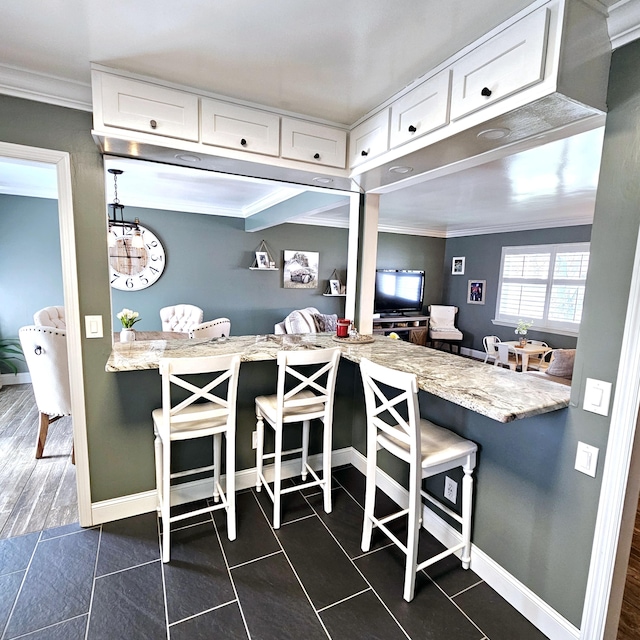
[307, 580]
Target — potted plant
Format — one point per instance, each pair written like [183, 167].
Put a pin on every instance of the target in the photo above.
[10, 350]
[521, 330]
[128, 318]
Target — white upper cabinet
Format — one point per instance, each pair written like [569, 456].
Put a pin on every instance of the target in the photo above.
[235, 127]
[315, 143]
[369, 139]
[420, 111]
[508, 62]
[142, 106]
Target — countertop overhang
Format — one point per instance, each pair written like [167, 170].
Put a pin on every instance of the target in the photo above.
[500, 394]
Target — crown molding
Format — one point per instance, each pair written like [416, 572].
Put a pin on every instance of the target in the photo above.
[624, 22]
[41, 87]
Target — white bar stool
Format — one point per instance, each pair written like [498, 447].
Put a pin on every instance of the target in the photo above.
[185, 419]
[305, 391]
[428, 450]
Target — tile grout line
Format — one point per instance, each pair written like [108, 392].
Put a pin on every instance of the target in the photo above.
[233, 584]
[295, 573]
[93, 583]
[355, 565]
[201, 613]
[164, 583]
[133, 566]
[24, 578]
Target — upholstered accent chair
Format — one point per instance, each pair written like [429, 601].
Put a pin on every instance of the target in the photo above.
[442, 329]
[218, 328]
[180, 317]
[45, 351]
[50, 317]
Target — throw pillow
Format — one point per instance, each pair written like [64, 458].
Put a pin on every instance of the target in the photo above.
[300, 321]
[562, 363]
[325, 322]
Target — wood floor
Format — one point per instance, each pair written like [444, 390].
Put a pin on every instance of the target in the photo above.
[35, 494]
[629, 627]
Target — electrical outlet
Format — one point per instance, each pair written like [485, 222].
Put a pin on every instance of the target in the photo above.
[254, 440]
[450, 489]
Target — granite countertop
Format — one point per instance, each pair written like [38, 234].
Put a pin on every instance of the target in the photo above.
[500, 394]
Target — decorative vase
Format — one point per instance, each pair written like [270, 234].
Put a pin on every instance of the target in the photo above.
[127, 335]
[523, 340]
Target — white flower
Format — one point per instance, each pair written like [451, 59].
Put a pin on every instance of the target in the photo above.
[128, 318]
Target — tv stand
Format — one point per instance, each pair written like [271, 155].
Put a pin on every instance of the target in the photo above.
[411, 328]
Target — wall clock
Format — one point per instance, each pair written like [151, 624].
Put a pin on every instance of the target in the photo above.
[134, 268]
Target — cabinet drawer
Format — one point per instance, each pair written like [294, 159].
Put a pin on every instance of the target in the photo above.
[420, 111]
[130, 104]
[229, 125]
[310, 142]
[369, 139]
[508, 62]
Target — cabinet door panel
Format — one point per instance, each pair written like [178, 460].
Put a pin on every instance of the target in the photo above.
[130, 104]
[420, 111]
[369, 139]
[310, 142]
[235, 127]
[508, 62]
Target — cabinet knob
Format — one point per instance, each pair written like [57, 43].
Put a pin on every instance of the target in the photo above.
[153, 124]
[243, 142]
[316, 156]
[364, 152]
[412, 129]
[485, 91]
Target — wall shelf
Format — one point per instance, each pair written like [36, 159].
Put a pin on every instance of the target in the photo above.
[331, 294]
[262, 248]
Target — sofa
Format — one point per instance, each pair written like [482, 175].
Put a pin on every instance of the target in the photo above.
[308, 320]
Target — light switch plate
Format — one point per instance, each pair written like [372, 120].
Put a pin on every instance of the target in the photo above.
[597, 395]
[587, 459]
[93, 326]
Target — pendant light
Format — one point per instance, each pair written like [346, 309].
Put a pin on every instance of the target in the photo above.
[116, 217]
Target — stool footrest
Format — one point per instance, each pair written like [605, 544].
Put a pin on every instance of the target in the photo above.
[440, 556]
[440, 505]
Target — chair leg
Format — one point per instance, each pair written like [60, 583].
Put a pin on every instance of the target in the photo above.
[42, 434]
[467, 498]
[277, 478]
[413, 535]
[369, 498]
[217, 445]
[166, 501]
[326, 462]
[259, 448]
[231, 484]
[305, 448]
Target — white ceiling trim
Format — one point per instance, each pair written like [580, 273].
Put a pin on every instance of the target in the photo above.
[271, 200]
[624, 22]
[30, 85]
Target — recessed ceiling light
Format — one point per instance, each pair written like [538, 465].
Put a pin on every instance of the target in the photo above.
[400, 169]
[188, 157]
[323, 180]
[494, 134]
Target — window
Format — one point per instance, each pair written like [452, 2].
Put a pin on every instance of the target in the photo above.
[543, 283]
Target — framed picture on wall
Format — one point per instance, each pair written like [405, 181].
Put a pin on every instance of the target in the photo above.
[262, 259]
[301, 269]
[476, 291]
[457, 266]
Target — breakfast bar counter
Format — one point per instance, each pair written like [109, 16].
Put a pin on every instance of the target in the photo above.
[500, 394]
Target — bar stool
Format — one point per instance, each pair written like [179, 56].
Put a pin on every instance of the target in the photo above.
[305, 391]
[428, 450]
[184, 419]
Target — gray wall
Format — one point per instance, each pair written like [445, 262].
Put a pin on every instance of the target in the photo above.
[482, 262]
[397, 251]
[207, 264]
[30, 266]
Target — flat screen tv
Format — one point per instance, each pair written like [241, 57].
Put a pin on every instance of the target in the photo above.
[398, 291]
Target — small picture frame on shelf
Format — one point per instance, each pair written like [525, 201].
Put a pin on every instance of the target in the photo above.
[476, 291]
[334, 287]
[262, 259]
[457, 266]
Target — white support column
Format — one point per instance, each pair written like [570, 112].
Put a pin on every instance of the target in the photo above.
[368, 257]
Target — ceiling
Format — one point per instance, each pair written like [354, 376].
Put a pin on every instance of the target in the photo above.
[331, 60]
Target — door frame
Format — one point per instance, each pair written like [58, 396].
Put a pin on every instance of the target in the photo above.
[61, 160]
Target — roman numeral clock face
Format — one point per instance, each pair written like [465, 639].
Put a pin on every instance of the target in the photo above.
[131, 268]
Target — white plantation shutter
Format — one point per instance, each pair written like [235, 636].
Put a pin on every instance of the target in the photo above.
[543, 283]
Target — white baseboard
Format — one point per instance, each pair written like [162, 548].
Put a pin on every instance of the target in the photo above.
[14, 378]
[531, 606]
